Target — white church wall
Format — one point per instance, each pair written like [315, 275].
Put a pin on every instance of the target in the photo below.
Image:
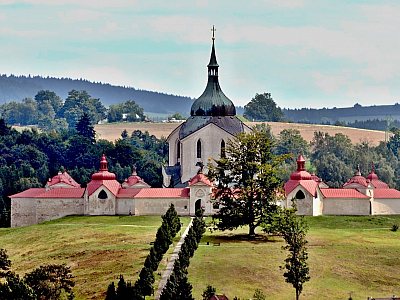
[386, 207]
[159, 206]
[201, 193]
[54, 208]
[99, 206]
[23, 212]
[124, 205]
[346, 206]
[210, 137]
[304, 206]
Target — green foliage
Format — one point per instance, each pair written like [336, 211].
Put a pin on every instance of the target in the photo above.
[176, 116]
[15, 288]
[293, 229]
[263, 108]
[85, 128]
[111, 295]
[259, 295]
[172, 219]
[395, 227]
[132, 112]
[51, 282]
[5, 263]
[208, 292]
[248, 178]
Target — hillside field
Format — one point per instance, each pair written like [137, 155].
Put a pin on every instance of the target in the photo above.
[112, 132]
[357, 255]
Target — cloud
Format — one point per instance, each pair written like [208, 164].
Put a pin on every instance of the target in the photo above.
[85, 3]
[3, 16]
[285, 3]
[79, 15]
[10, 31]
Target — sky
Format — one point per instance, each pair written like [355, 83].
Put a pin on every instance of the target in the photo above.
[330, 53]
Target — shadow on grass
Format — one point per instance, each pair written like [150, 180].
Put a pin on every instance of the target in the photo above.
[239, 238]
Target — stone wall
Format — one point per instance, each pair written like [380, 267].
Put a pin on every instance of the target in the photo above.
[54, 208]
[23, 212]
[349, 207]
[157, 206]
[386, 207]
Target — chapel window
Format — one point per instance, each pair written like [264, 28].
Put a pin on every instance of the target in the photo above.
[198, 149]
[103, 195]
[222, 148]
[178, 150]
[300, 195]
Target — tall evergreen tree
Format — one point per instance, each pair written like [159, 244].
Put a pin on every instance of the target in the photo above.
[85, 128]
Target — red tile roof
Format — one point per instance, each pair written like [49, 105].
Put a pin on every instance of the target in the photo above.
[309, 185]
[361, 180]
[30, 193]
[53, 193]
[63, 178]
[386, 193]
[134, 179]
[343, 193]
[163, 193]
[127, 193]
[200, 178]
[112, 185]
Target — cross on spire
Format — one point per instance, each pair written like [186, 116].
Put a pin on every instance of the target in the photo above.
[213, 30]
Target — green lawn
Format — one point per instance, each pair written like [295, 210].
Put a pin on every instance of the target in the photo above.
[357, 255]
[346, 254]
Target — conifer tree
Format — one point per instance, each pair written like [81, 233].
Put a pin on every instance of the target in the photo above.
[172, 219]
[145, 282]
[151, 261]
[85, 128]
[111, 295]
[208, 292]
[122, 290]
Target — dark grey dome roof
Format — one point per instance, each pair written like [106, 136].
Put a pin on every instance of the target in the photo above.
[213, 101]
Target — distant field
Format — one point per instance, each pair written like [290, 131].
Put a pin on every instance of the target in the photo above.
[346, 254]
[112, 132]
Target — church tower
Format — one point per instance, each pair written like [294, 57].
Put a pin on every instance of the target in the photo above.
[204, 134]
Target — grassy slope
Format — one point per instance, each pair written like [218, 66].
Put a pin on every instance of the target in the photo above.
[346, 254]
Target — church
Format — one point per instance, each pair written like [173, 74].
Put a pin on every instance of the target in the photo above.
[202, 137]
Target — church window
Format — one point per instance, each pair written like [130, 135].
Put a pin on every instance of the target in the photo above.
[178, 150]
[103, 195]
[300, 195]
[222, 148]
[198, 149]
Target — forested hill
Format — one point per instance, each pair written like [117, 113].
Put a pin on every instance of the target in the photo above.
[346, 114]
[16, 88]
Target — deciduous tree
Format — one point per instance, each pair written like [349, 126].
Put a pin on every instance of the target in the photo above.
[248, 180]
[263, 108]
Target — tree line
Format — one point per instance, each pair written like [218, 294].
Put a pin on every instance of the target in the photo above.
[50, 112]
[29, 158]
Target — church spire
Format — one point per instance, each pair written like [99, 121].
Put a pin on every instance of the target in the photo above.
[213, 65]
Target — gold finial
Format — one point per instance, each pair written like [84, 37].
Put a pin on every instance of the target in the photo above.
[213, 30]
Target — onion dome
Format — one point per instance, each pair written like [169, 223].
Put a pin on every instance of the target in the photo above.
[133, 179]
[103, 173]
[213, 101]
[373, 178]
[359, 179]
[301, 173]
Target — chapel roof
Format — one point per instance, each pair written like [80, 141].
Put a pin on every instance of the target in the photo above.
[53, 193]
[358, 179]
[200, 178]
[134, 179]
[63, 178]
[103, 178]
[343, 193]
[373, 178]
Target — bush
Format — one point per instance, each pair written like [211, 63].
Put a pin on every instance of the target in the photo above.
[395, 227]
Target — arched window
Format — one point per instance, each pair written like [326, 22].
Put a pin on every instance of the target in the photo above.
[178, 150]
[222, 148]
[300, 195]
[198, 149]
[103, 195]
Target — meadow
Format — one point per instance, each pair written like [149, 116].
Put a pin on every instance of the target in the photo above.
[347, 255]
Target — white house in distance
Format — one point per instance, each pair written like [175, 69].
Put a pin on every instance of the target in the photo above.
[358, 196]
